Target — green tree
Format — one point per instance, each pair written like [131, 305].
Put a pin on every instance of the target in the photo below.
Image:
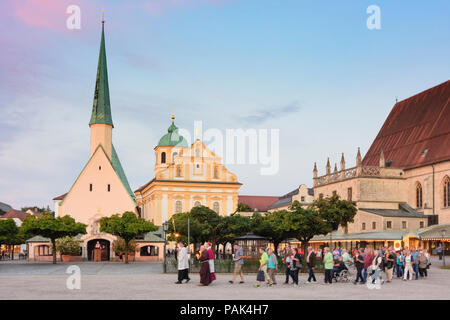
[127, 226]
[336, 212]
[243, 207]
[306, 223]
[274, 226]
[178, 224]
[52, 228]
[233, 226]
[210, 223]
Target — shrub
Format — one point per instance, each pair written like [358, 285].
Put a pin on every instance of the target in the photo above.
[68, 246]
[119, 246]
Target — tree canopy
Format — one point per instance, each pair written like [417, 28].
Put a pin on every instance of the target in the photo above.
[243, 207]
[274, 226]
[53, 228]
[207, 225]
[126, 226]
[306, 223]
[337, 212]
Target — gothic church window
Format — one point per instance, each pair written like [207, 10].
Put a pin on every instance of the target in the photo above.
[418, 195]
[446, 193]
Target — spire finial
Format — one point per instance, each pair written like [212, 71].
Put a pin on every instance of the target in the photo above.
[103, 16]
[342, 162]
[358, 158]
[315, 173]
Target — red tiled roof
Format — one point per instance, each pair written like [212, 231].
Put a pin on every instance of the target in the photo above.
[15, 214]
[61, 196]
[416, 124]
[261, 203]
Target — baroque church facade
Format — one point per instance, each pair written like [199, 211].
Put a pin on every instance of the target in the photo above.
[186, 176]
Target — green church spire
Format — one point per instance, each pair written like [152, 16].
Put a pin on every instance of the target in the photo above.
[101, 109]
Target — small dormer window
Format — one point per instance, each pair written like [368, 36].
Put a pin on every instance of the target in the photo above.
[424, 153]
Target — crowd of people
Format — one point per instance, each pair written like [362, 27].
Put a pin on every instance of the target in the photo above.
[361, 264]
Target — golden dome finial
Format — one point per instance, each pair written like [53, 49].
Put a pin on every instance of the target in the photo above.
[103, 16]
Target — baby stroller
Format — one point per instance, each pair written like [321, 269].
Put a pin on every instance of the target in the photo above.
[340, 273]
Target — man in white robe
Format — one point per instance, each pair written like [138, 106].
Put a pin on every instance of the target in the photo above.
[183, 263]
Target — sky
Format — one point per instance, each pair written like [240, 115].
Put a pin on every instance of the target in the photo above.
[311, 69]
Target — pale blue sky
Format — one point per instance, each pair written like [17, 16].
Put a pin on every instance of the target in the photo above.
[309, 68]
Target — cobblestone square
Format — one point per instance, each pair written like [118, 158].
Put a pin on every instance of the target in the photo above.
[146, 281]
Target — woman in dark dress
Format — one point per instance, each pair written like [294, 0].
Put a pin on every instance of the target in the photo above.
[205, 275]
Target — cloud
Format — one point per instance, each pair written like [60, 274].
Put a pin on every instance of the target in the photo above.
[261, 116]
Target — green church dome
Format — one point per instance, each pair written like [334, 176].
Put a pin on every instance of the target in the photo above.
[172, 138]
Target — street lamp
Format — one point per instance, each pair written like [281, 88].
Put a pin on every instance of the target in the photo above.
[165, 228]
[443, 231]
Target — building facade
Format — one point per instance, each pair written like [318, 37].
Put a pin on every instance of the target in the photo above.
[402, 183]
[185, 177]
[303, 194]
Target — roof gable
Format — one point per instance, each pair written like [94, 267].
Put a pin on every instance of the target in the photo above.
[117, 167]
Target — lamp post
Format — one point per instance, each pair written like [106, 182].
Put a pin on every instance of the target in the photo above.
[165, 228]
[443, 245]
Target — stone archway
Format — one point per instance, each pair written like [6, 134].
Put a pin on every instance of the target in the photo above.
[105, 239]
[106, 249]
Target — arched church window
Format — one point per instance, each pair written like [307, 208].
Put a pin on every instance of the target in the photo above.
[418, 195]
[216, 207]
[178, 206]
[446, 193]
[197, 204]
[163, 157]
[174, 155]
[178, 171]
